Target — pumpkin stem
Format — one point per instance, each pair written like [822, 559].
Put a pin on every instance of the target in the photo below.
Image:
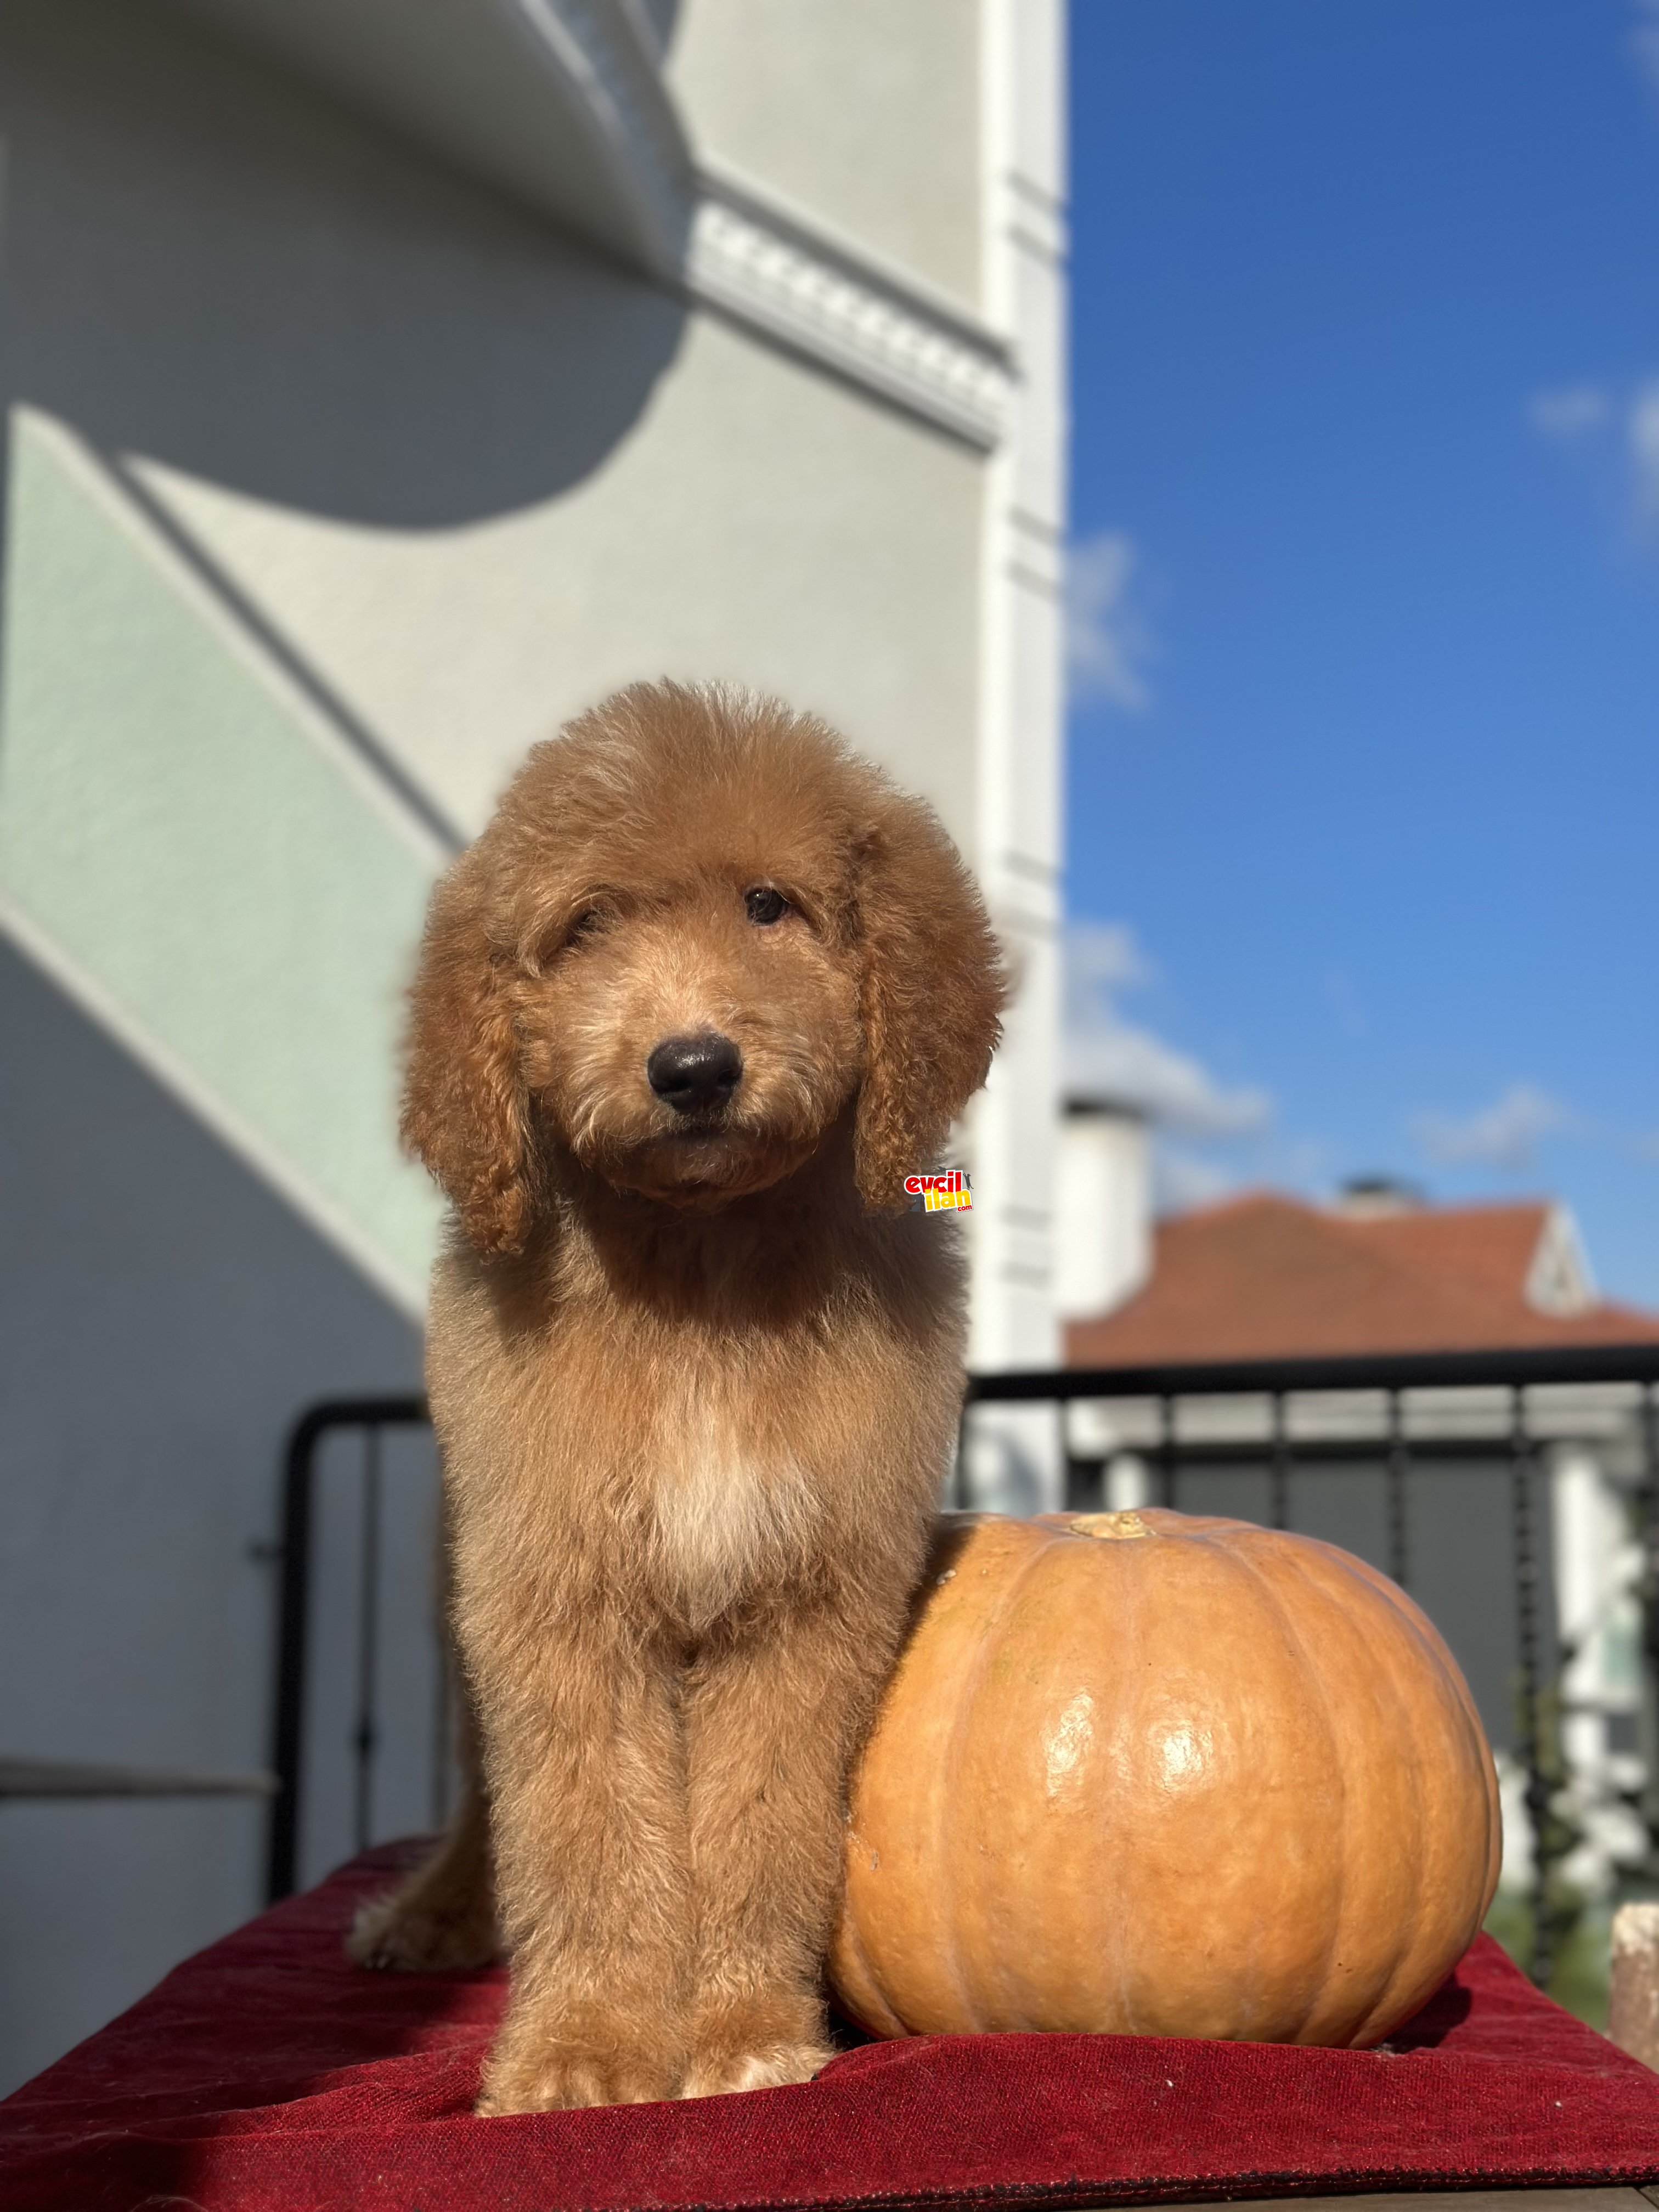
[1113, 1526]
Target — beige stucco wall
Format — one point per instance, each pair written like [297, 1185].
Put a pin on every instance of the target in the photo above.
[865, 112]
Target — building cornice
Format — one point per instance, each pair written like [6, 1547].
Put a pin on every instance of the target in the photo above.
[781, 275]
[562, 103]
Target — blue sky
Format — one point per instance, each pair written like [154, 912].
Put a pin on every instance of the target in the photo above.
[1363, 812]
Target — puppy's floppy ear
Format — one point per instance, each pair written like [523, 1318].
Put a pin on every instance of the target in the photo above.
[933, 986]
[465, 1111]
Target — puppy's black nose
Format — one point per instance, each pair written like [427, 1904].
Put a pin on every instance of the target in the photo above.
[692, 1074]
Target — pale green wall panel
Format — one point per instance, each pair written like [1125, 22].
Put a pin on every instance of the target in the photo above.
[230, 881]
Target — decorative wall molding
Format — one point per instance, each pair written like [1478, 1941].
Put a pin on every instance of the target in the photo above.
[844, 311]
[562, 104]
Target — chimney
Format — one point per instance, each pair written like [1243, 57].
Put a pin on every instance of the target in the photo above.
[1104, 1219]
[1372, 1197]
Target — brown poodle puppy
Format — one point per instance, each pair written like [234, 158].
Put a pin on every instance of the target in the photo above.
[701, 996]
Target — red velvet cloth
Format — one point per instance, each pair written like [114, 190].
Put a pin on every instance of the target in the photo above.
[268, 2076]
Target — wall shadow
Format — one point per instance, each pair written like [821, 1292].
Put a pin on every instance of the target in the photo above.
[209, 264]
[163, 1317]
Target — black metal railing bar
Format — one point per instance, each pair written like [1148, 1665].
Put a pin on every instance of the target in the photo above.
[370, 1415]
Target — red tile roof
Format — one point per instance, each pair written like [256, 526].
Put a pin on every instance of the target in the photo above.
[1264, 1277]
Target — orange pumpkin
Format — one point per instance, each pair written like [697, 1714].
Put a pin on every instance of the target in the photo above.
[1157, 1774]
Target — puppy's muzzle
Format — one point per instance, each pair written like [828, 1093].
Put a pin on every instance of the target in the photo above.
[695, 1074]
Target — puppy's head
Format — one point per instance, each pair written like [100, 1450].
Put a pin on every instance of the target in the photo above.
[697, 930]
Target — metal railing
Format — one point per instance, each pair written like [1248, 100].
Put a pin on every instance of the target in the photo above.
[371, 1417]
[1501, 1417]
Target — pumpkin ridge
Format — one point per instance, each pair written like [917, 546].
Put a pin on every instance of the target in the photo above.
[1385, 1678]
[1113, 1956]
[1337, 1738]
[1429, 1638]
[846, 1935]
[1334, 1745]
[1229, 1561]
[1426, 1637]
[965, 1705]
[995, 1624]
[1388, 2007]
[1384, 2006]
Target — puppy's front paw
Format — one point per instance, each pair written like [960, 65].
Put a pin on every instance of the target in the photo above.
[768, 2069]
[590, 2061]
[755, 2043]
[423, 1935]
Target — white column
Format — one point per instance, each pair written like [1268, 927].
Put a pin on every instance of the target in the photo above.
[1016, 1461]
[1589, 1545]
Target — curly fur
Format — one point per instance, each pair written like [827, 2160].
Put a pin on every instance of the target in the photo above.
[695, 1380]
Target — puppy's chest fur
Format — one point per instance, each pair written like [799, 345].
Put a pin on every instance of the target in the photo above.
[728, 1513]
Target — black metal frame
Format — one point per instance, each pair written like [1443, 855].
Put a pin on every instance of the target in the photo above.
[371, 1415]
[1517, 1372]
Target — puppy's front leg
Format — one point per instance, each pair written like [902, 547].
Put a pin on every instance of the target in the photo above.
[587, 1778]
[773, 1721]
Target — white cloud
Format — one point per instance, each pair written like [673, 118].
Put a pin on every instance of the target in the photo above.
[1568, 412]
[1643, 434]
[1107, 642]
[1572, 412]
[1101, 958]
[1644, 39]
[1108, 1057]
[1504, 1134]
[1182, 1179]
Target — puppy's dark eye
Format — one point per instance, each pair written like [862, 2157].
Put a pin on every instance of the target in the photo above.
[764, 905]
[589, 923]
